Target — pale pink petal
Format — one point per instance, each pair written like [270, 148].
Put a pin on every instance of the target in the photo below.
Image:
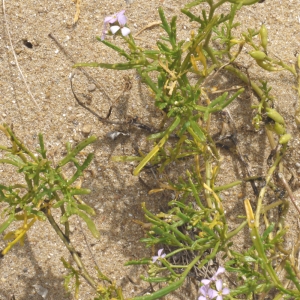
[154, 258]
[160, 251]
[206, 281]
[122, 18]
[114, 29]
[212, 293]
[103, 36]
[219, 271]
[226, 291]
[107, 19]
[204, 290]
[219, 285]
[202, 298]
[110, 19]
[125, 31]
[219, 298]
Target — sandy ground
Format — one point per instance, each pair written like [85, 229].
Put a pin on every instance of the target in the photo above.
[116, 193]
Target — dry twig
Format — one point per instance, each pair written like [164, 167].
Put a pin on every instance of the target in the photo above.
[147, 27]
[76, 17]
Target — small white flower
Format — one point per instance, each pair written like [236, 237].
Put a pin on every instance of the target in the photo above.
[124, 30]
[160, 254]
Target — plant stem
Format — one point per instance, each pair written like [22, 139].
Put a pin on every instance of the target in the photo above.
[73, 252]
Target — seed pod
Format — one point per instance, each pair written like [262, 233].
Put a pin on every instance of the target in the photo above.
[263, 36]
[285, 138]
[275, 115]
[235, 41]
[243, 2]
[279, 129]
[258, 55]
[267, 66]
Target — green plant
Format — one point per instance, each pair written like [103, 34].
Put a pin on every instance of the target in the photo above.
[195, 226]
[199, 226]
[44, 189]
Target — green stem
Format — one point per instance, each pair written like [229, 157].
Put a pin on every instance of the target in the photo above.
[71, 249]
[236, 231]
[279, 156]
[244, 78]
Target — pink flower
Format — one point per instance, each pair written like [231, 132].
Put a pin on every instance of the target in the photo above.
[207, 293]
[214, 278]
[220, 291]
[118, 17]
[160, 254]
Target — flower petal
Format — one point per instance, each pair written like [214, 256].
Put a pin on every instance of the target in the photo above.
[204, 290]
[206, 281]
[160, 251]
[125, 31]
[226, 291]
[212, 293]
[219, 298]
[219, 285]
[114, 29]
[107, 19]
[202, 298]
[122, 18]
[154, 258]
[104, 32]
[103, 36]
[219, 271]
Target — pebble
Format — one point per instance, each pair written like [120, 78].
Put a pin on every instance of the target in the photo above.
[18, 50]
[59, 136]
[91, 87]
[76, 137]
[40, 290]
[86, 130]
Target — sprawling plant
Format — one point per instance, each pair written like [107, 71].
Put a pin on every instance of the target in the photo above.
[194, 231]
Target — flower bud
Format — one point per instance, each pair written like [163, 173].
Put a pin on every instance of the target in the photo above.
[263, 32]
[275, 115]
[235, 41]
[243, 2]
[279, 129]
[267, 66]
[285, 138]
[258, 55]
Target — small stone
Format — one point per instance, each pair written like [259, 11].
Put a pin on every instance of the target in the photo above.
[91, 87]
[76, 137]
[86, 130]
[59, 136]
[40, 290]
[18, 51]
